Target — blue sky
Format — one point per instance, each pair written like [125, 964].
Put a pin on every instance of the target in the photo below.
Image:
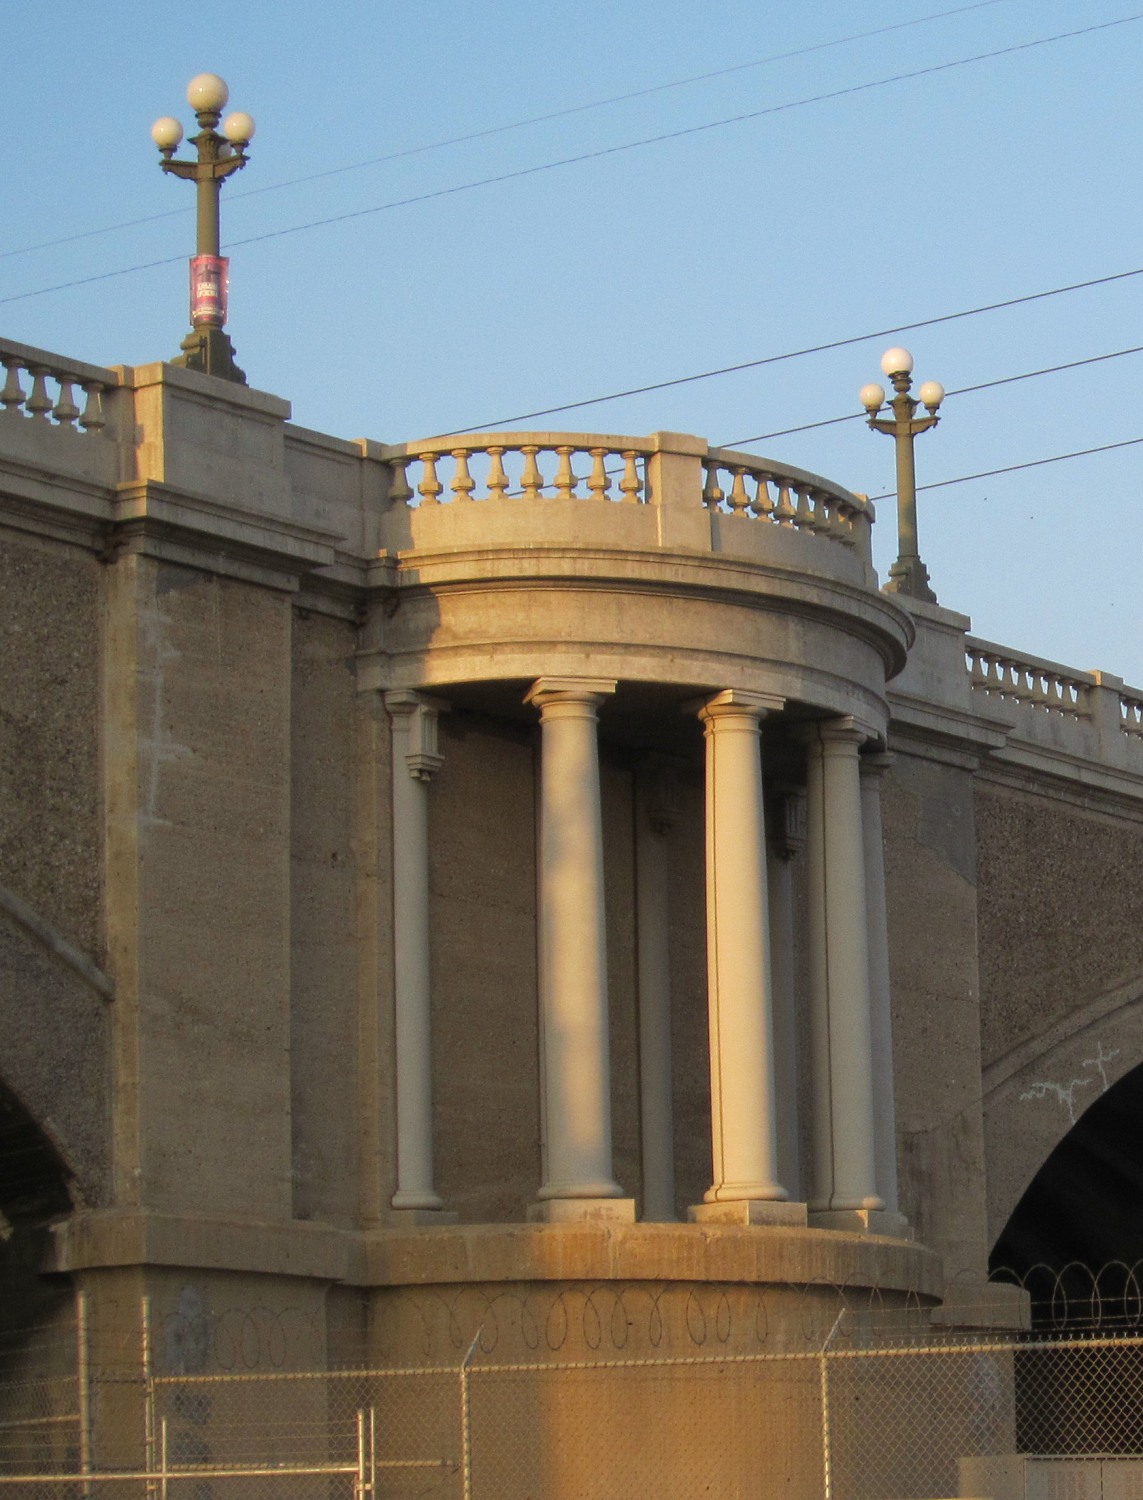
[891, 203]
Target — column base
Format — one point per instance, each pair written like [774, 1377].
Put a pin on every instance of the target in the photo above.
[583, 1211]
[421, 1218]
[750, 1211]
[863, 1221]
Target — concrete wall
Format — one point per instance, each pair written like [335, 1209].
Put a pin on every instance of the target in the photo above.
[324, 930]
[197, 765]
[930, 871]
[1061, 962]
[53, 1022]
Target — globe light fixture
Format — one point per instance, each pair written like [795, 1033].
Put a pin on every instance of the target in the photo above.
[908, 575]
[218, 154]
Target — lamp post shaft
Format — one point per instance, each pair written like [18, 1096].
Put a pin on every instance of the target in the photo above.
[209, 189]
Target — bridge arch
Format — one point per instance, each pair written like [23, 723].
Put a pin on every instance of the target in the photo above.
[1036, 1094]
[1084, 1208]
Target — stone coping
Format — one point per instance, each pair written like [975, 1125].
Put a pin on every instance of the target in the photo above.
[474, 1253]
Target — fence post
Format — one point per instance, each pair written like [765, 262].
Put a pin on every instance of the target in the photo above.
[359, 1477]
[465, 1422]
[149, 1434]
[83, 1389]
[827, 1453]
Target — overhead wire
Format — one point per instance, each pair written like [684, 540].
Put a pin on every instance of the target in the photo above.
[595, 155]
[476, 135]
[964, 390]
[1031, 463]
[774, 359]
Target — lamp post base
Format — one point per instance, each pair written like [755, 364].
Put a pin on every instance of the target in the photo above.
[209, 349]
[908, 575]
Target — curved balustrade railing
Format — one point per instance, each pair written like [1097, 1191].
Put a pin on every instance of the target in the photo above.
[621, 470]
[529, 465]
[1028, 680]
[740, 485]
[45, 388]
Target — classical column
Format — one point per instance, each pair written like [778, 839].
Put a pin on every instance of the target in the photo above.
[873, 768]
[573, 957]
[845, 1179]
[743, 1136]
[787, 837]
[415, 759]
[655, 814]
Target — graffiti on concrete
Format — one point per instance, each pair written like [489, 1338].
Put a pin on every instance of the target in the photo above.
[1065, 1093]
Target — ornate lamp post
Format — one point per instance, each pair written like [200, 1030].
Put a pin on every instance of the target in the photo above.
[908, 575]
[207, 347]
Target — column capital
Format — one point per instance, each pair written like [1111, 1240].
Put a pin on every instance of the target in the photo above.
[845, 734]
[658, 789]
[420, 714]
[874, 763]
[734, 703]
[787, 826]
[590, 691]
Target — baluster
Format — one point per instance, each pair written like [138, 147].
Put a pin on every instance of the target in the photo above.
[1083, 709]
[630, 485]
[532, 481]
[738, 498]
[842, 513]
[762, 504]
[1040, 697]
[66, 411]
[399, 490]
[824, 520]
[12, 395]
[599, 481]
[497, 478]
[430, 486]
[784, 512]
[977, 674]
[463, 483]
[804, 517]
[93, 418]
[39, 403]
[565, 477]
[712, 495]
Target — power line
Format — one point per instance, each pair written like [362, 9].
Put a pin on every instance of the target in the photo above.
[964, 390]
[476, 135]
[1032, 463]
[774, 359]
[596, 155]
[689, 130]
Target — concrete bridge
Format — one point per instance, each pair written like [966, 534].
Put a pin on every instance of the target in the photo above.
[523, 859]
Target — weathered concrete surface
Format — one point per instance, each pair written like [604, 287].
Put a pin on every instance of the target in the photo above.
[927, 809]
[1061, 967]
[197, 793]
[324, 959]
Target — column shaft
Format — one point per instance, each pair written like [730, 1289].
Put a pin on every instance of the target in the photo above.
[573, 948]
[844, 1161]
[414, 761]
[786, 838]
[873, 768]
[653, 819]
[743, 1137]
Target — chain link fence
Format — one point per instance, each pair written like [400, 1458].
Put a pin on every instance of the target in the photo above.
[890, 1410]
